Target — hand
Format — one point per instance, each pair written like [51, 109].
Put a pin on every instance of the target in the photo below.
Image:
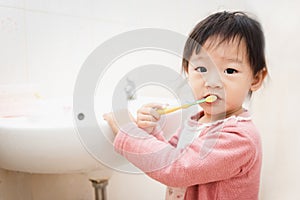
[123, 119]
[147, 117]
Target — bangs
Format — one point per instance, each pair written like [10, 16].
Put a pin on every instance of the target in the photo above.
[227, 27]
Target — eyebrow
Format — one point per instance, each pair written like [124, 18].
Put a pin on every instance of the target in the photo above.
[199, 57]
[236, 60]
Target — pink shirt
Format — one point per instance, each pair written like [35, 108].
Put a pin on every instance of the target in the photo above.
[222, 162]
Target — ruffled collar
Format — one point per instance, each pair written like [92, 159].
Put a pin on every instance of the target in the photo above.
[193, 120]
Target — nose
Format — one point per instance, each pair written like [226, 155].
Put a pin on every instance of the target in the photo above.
[212, 80]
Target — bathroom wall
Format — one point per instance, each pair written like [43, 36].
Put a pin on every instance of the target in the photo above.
[44, 43]
[25, 186]
[14, 185]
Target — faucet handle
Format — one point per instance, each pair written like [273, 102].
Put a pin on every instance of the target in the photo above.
[130, 89]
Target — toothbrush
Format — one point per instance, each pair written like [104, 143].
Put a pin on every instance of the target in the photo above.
[209, 99]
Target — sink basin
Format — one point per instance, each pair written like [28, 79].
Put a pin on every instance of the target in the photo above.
[46, 140]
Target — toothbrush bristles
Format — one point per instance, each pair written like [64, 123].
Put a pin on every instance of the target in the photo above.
[211, 98]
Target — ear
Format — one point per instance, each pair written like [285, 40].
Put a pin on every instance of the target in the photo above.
[258, 79]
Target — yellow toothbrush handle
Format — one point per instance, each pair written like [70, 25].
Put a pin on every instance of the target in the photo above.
[169, 110]
[210, 99]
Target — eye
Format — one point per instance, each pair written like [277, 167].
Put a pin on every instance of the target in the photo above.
[230, 71]
[201, 69]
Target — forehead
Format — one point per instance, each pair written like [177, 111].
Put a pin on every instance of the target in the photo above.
[214, 47]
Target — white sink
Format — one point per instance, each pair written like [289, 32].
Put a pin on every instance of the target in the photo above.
[46, 141]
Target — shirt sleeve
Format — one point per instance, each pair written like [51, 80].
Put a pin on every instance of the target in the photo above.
[214, 156]
[159, 134]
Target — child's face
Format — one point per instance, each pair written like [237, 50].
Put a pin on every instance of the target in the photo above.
[223, 70]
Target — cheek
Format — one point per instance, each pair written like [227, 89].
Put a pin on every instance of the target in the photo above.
[196, 85]
[236, 96]
[191, 81]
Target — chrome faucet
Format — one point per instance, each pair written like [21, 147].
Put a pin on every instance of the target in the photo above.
[130, 89]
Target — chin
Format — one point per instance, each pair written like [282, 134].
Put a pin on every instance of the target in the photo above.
[215, 112]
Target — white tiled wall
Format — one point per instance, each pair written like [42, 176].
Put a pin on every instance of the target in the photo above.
[45, 43]
[57, 46]
[12, 3]
[13, 46]
[78, 8]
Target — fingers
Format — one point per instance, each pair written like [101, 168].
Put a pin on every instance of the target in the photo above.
[146, 120]
[150, 109]
[118, 119]
[111, 122]
[107, 116]
[147, 116]
[146, 124]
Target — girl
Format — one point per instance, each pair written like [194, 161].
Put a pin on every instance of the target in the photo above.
[223, 56]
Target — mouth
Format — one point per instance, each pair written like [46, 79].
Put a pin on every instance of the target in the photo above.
[218, 97]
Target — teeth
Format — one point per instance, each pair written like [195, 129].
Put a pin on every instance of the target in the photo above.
[211, 98]
[210, 95]
[214, 95]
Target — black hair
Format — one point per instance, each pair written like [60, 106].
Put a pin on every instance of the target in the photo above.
[229, 26]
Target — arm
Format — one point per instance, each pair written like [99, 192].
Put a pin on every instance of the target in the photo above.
[209, 158]
[147, 119]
